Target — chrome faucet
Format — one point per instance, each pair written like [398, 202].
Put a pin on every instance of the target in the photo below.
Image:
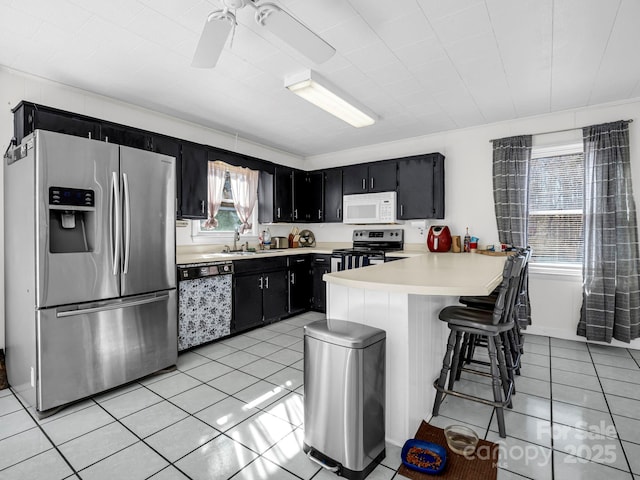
[236, 237]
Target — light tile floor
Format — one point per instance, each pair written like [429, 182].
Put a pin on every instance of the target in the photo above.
[234, 409]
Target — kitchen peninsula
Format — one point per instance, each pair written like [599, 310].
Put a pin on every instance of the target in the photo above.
[404, 298]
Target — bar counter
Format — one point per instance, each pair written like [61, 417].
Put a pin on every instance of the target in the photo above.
[403, 298]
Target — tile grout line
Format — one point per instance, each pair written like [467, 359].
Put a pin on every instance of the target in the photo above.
[73, 470]
[611, 415]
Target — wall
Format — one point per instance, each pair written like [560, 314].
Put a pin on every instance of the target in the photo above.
[15, 86]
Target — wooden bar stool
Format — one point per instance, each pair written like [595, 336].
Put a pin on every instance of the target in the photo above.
[488, 325]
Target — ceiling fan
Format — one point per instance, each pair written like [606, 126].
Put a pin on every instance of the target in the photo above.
[219, 24]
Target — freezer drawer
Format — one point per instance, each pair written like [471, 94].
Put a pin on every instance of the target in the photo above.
[89, 348]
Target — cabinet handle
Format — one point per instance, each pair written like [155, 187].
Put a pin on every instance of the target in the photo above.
[364, 183]
[266, 281]
[320, 260]
[338, 212]
[260, 283]
[319, 214]
[401, 210]
[293, 278]
[295, 214]
[371, 182]
[278, 212]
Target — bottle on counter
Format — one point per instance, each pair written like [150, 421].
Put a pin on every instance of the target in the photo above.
[467, 241]
[266, 239]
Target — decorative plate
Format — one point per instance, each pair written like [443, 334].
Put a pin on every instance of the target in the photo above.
[425, 457]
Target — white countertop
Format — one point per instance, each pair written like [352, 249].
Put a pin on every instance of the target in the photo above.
[204, 254]
[449, 274]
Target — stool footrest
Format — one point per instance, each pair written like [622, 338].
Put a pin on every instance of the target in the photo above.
[492, 403]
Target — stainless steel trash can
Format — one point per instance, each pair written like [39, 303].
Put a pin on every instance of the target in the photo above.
[344, 396]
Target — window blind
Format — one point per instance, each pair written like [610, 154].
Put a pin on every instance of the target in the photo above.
[556, 193]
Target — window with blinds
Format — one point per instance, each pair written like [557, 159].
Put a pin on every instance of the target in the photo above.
[556, 196]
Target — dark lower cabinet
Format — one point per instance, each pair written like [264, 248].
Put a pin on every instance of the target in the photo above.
[300, 283]
[275, 298]
[247, 302]
[260, 292]
[320, 264]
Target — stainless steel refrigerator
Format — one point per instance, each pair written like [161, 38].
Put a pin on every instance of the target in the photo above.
[90, 274]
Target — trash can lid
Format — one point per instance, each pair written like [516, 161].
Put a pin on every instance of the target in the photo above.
[343, 333]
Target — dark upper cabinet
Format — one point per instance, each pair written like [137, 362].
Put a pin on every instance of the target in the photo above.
[355, 179]
[127, 136]
[333, 195]
[171, 146]
[369, 178]
[283, 194]
[421, 187]
[28, 117]
[275, 196]
[307, 196]
[194, 181]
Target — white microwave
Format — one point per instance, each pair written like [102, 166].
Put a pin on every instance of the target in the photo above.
[369, 208]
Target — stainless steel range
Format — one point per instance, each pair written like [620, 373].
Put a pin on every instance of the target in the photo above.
[369, 248]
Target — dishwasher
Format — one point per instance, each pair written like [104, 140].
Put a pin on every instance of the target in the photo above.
[205, 303]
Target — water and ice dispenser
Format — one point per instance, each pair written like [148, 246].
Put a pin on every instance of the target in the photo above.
[71, 220]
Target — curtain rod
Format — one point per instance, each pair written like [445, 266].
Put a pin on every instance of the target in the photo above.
[560, 131]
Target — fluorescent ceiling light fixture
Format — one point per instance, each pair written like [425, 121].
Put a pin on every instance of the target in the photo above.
[316, 90]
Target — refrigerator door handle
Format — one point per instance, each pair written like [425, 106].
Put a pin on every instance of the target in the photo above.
[112, 306]
[127, 223]
[115, 219]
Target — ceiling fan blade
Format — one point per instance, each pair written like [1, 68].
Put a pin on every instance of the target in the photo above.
[287, 28]
[214, 36]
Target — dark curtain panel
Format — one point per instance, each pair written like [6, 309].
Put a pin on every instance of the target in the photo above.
[511, 158]
[510, 186]
[611, 290]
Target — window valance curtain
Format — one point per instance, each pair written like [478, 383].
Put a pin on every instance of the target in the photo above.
[611, 265]
[215, 182]
[244, 190]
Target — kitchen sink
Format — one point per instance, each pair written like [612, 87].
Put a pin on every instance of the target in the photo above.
[227, 254]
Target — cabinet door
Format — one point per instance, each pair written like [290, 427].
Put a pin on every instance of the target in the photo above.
[126, 136]
[321, 264]
[382, 176]
[315, 192]
[415, 187]
[299, 284]
[301, 200]
[247, 302]
[67, 123]
[170, 146]
[333, 195]
[194, 181]
[355, 179]
[421, 187]
[283, 194]
[275, 295]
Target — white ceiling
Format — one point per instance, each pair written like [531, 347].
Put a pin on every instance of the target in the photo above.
[422, 66]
